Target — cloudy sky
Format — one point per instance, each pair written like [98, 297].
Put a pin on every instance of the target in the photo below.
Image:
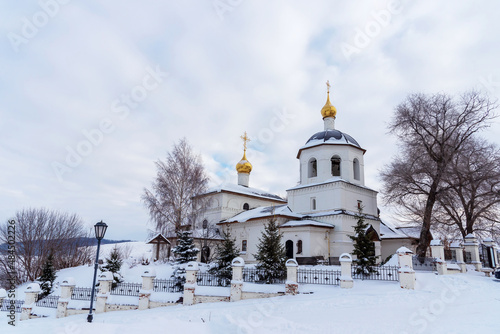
[93, 92]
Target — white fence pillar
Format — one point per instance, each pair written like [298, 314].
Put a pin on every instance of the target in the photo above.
[459, 255]
[67, 286]
[346, 281]
[237, 282]
[31, 294]
[406, 272]
[148, 277]
[437, 249]
[291, 285]
[472, 246]
[190, 285]
[493, 248]
[442, 267]
[105, 282]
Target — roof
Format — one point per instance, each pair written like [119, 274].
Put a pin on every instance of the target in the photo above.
[157, 237]
[330, 180]
[411, 231]
[253, 192]
[389, 232]
[306, 222]
[262, 212]
[330, 137]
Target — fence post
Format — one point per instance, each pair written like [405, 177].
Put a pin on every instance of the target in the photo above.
[346, 281]
[31, 293]
[459, 254]
[437, 249]
[148, 277]
[291, 285]
[105, 281]
[67, 286]
[237, 282]
[442, 267]
[190, 285]
[406, 272]
[471, 245]
[489, 242]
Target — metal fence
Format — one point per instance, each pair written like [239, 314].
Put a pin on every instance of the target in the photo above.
[261, 276]
[127, 289]
[82, 294]
[311, 276]
[424, 263]
[379, 273]
[206, 279]
[164, 285]
[48, 301]
[6, 305]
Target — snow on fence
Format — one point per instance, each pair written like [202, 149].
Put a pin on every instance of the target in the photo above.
[48, 301]
[7, 302]
[82, 294]
[261, 276]
[311, 276]
[127, 289]
[380, 273]
[165, 285]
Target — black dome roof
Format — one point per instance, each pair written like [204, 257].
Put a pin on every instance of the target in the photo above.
[333, 137]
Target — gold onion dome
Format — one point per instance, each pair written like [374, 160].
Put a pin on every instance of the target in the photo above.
[244, 166]
[328, 110]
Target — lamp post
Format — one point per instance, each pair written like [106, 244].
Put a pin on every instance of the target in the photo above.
[100, 230]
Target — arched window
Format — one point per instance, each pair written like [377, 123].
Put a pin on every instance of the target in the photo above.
[246, 206]
[289, 249]
[205, 224]
[335, 166]
[299, 247]
[313, 168]
[313, 203]
[355, 166]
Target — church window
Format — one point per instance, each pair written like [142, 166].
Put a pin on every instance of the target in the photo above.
[360, 205]
[313, 203]
[243, 245]
[299, 247]
[335, 166]
[246, 206]
[205, 224]
[313, 168]
[355, 166]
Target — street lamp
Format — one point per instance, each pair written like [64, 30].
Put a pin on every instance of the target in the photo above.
[100, 230]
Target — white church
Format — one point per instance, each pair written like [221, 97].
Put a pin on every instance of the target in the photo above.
[321, 210]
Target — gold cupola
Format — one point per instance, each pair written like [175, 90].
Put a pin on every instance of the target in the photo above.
[328, 110]
[244, 166]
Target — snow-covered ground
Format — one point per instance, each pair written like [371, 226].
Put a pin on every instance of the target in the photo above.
[461, 303]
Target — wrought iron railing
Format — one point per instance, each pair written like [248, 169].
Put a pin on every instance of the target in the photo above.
[6, 305]
[207, 279]
[165, 285]
[262, 276]
[48, 301]
[424, 263]
[378, 273]
[311, 276]
[127, 289]
[83, 294]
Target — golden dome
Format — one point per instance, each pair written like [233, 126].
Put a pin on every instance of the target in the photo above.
[328, 110]
[244, 166]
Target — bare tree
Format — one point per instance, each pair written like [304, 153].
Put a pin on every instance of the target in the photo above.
[41, 231]
[431, 132]
[472, 197]
[172, 200]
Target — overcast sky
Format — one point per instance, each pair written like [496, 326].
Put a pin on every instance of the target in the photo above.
[93, 92]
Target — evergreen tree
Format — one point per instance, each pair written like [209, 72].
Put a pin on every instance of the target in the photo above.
[48, 276]
[185, 252]
[113, 264]
[271, 253]
[225, 253]
[364, 248]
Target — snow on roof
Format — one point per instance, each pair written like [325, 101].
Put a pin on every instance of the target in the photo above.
[339, 212]
[330, 180]
[236, 188]
[263, 211]
[389, 232]
[410, 231]
[156, 236]
[306, 222]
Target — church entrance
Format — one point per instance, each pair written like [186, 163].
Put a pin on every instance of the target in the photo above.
[289, 249]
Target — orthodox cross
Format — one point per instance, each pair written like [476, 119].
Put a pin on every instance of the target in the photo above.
[328, 86]
[245, 140]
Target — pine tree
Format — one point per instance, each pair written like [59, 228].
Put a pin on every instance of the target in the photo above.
[271, 253]
[48, 276]
[113, 264]
[364, 248]
[225, 253]
[185, 252]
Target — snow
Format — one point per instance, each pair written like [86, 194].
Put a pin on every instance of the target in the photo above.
[393, 261]
[461, 303]
[436, 242]
[236, 188]
[306, 222]
[264, 211]
[403, 250]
